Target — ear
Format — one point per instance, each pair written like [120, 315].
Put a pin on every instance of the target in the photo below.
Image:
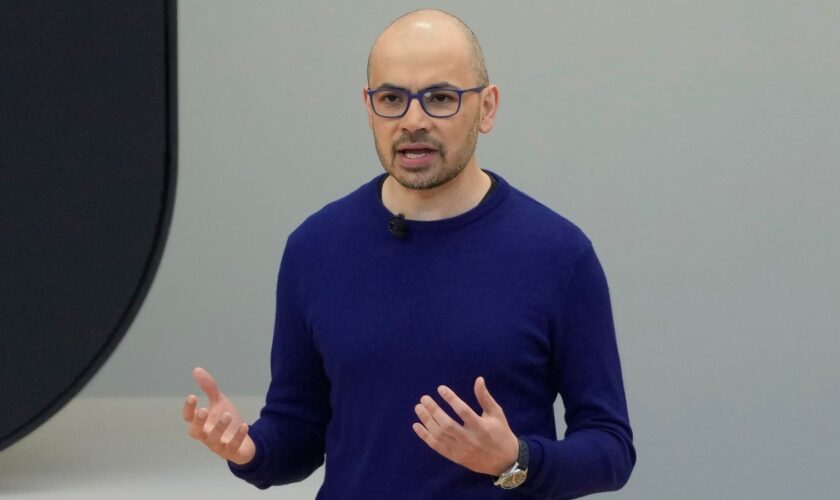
[366, 98]
[489, 105]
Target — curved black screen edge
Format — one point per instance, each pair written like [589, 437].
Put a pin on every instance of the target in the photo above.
[78, 252]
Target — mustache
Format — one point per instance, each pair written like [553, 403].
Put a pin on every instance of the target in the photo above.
[419, 136]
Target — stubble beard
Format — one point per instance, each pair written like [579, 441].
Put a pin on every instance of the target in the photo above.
[437, 175]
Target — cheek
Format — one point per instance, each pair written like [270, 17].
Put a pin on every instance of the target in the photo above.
[383, 139]
[385, 133]
[453, 137]
[466, 130]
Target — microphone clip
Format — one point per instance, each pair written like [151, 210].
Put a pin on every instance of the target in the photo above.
[397, 226]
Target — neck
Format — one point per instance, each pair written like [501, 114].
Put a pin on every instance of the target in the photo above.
[457, 196]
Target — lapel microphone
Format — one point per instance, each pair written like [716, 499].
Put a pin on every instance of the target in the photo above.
[397, 226]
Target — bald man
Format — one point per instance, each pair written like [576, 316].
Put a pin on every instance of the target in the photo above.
[427, 321]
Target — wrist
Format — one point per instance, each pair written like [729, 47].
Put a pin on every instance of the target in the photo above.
[516, 474]
[510, 454]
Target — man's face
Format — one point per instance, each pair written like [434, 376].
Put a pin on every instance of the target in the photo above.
[420, 151]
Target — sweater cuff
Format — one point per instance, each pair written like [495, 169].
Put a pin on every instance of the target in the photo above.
[536, 455]
[255, 463]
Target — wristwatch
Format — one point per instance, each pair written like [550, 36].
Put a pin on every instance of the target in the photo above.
[516, 475]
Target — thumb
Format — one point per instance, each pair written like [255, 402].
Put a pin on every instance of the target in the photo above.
[488, 404]
[207, 384]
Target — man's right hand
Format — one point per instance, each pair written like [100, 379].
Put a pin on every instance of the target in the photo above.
[220, 427]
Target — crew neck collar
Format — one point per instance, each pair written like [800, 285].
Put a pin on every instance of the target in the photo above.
[493, 199]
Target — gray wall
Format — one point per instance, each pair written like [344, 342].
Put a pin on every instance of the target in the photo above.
[696, 143]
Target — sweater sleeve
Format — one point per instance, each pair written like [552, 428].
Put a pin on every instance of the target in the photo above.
[290, 432]
[597, 452]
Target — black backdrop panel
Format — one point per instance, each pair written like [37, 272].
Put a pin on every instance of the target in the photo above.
[87, 182]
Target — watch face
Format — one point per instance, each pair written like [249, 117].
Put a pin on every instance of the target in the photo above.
[516, 478]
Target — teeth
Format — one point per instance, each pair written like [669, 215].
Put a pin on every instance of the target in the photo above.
[415, 155]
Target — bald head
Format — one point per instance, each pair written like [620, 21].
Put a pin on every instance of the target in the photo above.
[436, 24]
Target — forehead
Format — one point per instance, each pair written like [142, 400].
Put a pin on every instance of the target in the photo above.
[420, 57]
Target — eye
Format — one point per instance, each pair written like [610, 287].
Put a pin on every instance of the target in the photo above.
[442, 97]
[390, 97]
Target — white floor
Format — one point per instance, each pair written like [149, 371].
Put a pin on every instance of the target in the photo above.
[127, 448]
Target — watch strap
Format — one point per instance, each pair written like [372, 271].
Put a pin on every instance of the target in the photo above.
[524, 454]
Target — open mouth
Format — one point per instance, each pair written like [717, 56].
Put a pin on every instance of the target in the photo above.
[416, 153]
[416, 157]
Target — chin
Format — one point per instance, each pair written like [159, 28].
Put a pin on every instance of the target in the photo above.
[426, 179]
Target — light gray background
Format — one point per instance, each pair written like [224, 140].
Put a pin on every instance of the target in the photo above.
[696, 143]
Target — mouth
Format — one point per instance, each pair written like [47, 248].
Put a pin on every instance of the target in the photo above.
[416, 155]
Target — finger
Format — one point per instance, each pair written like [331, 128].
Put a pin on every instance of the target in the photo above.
[461, 408]
[433, 443]
[188, 411]
[214, 438]
[447, 425]
[196, 429]
[429, 422]
[207, 383]
[236, 441]
[488, 404]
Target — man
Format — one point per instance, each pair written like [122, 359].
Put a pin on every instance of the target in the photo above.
[427, 321]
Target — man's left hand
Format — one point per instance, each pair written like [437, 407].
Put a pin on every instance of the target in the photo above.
[484, 444]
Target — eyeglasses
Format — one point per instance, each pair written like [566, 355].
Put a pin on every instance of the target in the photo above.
[436, 102]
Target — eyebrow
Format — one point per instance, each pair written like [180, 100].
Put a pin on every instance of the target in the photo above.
[437, 85]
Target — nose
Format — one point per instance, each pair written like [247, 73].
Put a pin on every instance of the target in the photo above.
[415, 118]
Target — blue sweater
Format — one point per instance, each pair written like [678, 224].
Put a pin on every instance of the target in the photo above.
[367, 323]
